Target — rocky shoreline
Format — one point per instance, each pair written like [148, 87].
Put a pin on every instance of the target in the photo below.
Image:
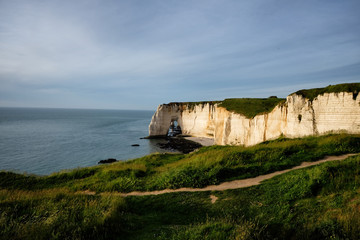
[180, 144]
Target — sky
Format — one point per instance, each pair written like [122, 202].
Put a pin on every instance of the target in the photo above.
[137, 54]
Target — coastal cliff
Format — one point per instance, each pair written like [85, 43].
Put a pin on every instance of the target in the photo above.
[298, 116]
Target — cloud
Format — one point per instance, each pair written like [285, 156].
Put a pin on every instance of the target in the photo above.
[162, 51]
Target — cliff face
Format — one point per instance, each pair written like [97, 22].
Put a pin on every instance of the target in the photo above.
[297, 117]
[194, 120]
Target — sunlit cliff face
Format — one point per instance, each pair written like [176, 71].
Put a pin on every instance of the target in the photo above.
[298, 117]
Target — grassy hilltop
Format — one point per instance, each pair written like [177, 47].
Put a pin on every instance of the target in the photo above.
[250, 107]
[319, 202]
[311, 94]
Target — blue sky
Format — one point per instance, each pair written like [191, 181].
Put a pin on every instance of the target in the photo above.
[136, 54]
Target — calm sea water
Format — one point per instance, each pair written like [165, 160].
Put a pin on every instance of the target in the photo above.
[42, 141]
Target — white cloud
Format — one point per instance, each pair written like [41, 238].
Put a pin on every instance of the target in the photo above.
[199, 47]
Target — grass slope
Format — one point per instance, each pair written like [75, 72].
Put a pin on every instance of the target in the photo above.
[311, 94]
[320, 202]
[250, 107]
[209, 165]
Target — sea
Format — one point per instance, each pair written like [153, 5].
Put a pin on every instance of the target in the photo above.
[42, 141]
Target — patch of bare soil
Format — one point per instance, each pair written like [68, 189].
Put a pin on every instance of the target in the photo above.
[213, 198]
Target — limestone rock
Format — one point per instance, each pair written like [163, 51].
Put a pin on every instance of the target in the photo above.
[297, 117]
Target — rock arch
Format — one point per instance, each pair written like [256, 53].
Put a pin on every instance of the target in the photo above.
[175, 128]
[162, 119]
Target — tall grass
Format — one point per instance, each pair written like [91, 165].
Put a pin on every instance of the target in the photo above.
[58, 214]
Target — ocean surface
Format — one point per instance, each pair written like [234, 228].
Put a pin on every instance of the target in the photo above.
[43, 141]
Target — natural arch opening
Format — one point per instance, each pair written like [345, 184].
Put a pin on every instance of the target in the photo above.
[174, 129]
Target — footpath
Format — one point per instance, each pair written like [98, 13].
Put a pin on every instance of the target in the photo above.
[243, 183]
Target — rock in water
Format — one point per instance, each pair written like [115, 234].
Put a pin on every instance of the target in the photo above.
[135, 145]
[179, 144]
[109, 160]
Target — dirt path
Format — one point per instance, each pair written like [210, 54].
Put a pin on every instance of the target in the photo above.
[238, 183]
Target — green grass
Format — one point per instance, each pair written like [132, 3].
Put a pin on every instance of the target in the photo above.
[191, 105]
[319, 202]
[59, 214]
[209, 165]
[311, 94]
[250, 107]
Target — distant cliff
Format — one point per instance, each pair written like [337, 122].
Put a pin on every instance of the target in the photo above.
[306, 112]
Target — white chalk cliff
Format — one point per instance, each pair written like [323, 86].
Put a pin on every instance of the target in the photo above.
[297, 117]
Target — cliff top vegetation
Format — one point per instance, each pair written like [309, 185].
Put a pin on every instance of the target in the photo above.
[311, 94]
[192, 105]
[250, 107]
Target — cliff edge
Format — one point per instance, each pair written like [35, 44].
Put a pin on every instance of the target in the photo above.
[250, 121]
